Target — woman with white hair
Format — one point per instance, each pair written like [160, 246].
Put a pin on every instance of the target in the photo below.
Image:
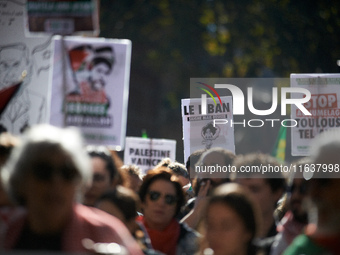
[45, 174]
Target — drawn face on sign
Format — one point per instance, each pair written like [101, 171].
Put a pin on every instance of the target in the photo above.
[209, 133]
[41, 55]
[13, 62]
[99, 73]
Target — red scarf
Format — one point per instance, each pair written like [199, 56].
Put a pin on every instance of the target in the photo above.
[165, 240]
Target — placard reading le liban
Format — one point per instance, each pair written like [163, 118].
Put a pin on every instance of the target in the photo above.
[204, 131]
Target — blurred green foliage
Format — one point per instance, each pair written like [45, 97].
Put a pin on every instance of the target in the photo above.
[173, 41]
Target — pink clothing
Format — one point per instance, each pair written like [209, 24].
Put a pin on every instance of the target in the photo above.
[86, 222]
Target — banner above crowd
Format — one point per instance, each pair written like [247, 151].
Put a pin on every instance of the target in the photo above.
[148, 152]
[324, 107]
[63, 17]
[24, 71]
[90, 86]
[204, 131]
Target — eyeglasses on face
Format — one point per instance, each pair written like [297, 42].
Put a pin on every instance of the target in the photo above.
[169, 199]
[45, 171]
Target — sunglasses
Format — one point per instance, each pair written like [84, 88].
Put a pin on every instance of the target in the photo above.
[169, 199]
[45, 171]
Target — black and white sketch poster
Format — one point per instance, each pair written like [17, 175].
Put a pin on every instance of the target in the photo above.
[24, 71]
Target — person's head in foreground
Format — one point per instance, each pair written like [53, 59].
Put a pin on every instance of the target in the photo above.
[45, 175]
[323, 232]
[292, 211]
[266, 189]
[325, 184]
[230, 221]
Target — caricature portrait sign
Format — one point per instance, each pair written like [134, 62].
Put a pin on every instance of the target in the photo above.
[90, 84]
[24, 71]
[204, 131]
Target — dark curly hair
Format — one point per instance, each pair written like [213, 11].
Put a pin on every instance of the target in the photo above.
[162, 173]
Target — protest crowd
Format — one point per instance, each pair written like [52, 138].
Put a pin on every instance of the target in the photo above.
[57, 194]
[64, 98]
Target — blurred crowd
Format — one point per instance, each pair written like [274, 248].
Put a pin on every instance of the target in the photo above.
[58, 195]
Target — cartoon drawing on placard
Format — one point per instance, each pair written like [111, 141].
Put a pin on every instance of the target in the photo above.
[24, 70]
[14, 59]
[41, 55]
[209, 133]
[25, 107]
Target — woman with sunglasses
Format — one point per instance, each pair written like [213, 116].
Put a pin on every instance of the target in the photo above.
[162, 197]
